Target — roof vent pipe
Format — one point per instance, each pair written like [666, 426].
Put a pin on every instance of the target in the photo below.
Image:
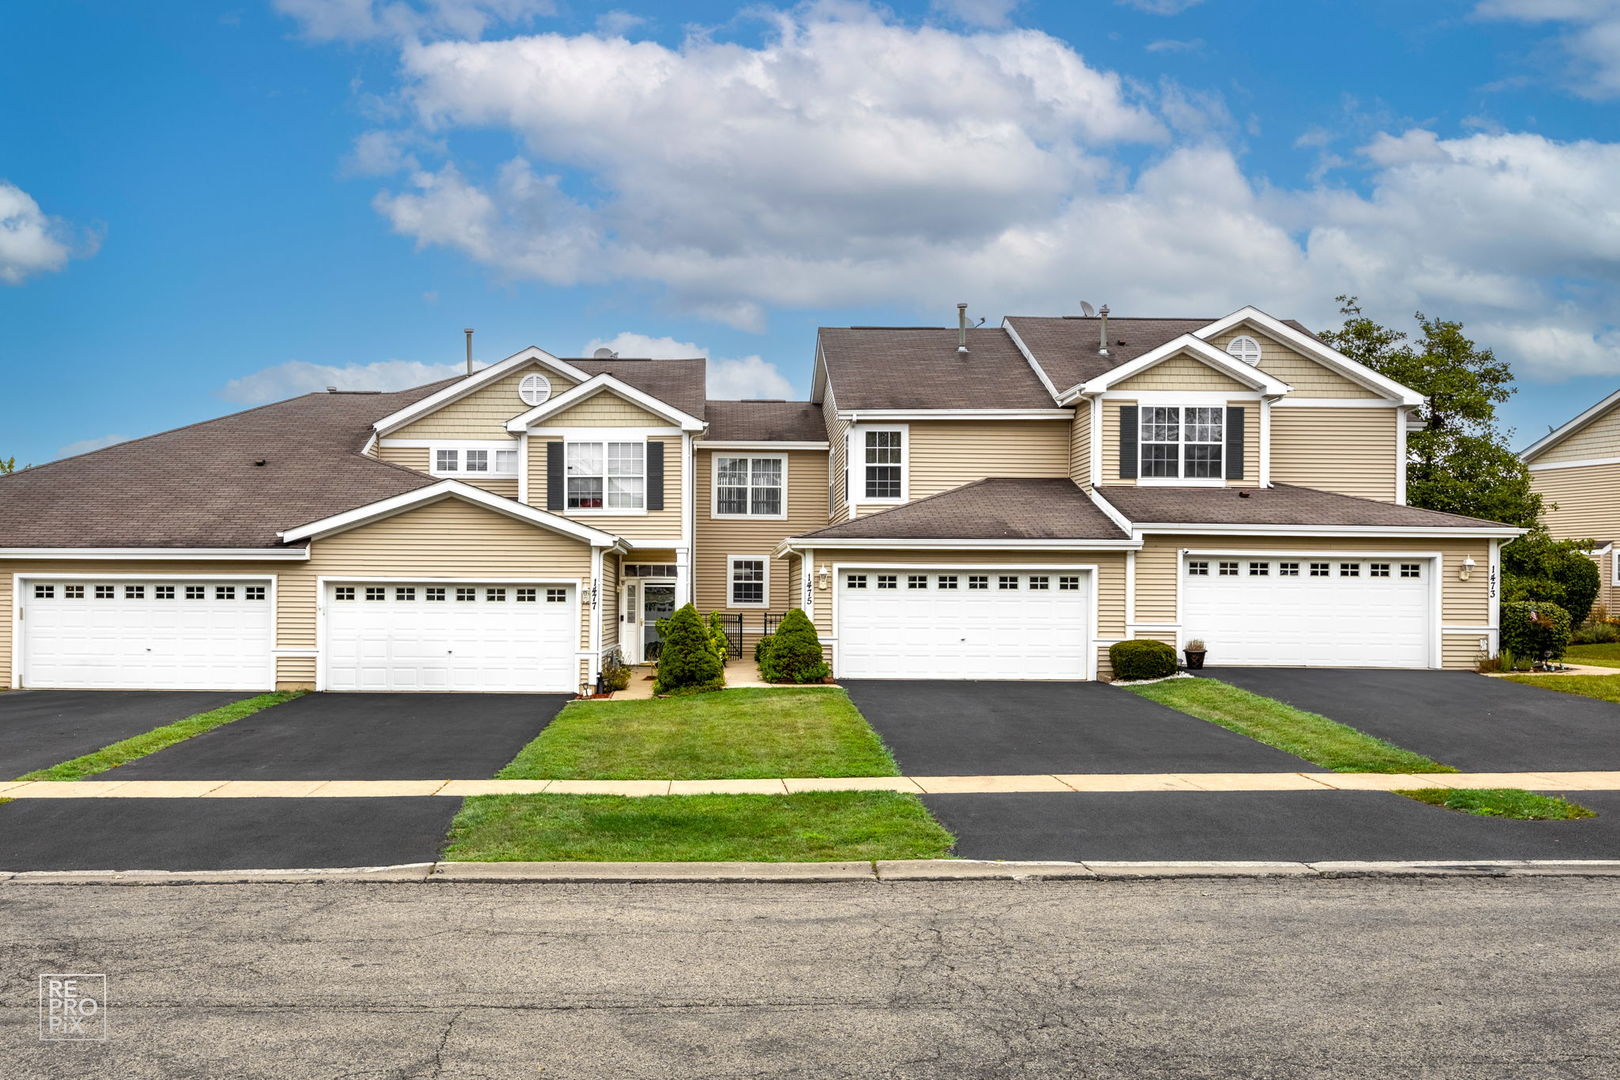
[961, 330]
[1102, 330]
[469, 334]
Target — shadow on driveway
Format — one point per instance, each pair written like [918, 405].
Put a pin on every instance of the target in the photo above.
[41, 728]
[359, 737]
[970, 728]
[1457, 718]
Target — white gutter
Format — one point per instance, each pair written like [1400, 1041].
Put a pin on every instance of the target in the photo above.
[275, 554]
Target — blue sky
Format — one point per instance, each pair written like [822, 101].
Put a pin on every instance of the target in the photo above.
[206, 206]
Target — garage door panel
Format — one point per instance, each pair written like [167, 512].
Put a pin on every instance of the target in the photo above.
[1309, 617]
[999, 631]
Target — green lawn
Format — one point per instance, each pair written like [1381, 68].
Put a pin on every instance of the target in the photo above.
[150, 742]
[1607, 655]
[1602, 687]
[1501, 802]
[729, 735]
[817, 826]
[1328, 743]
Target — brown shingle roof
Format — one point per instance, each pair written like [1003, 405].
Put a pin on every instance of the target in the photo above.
[994, 509]
[1066, 348]
[675, 382]
[198, 486]
[765, 421]
[1283, 504]
[918, 368]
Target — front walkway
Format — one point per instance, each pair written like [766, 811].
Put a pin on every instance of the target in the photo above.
[914, 785]
[740, 673]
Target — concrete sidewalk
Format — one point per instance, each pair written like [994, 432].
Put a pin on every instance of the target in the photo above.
[915, 785]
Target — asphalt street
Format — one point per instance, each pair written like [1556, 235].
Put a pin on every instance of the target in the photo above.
[1473, 979]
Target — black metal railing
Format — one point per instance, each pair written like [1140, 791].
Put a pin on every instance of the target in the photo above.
[773, 620]
[734, 632]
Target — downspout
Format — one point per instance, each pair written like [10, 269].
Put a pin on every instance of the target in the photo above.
[596, 615]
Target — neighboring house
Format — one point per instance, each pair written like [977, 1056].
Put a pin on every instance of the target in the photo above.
[971, 503]
[1576, 469]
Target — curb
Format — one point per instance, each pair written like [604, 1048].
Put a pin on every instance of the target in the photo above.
[878, 872]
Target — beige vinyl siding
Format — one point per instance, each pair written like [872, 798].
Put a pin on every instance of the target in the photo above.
[662, 524]
[1599, 439]
[1110, 442]
[483, 413]
[1080, 444]
[1463, 603]
[1109, 586]
[1350, 451]
[838, 459]
[412, 457]
[1583, 503]
[506, 487]
[946, 454]
[1308, 378]
[1181, 373]
[605, 409]
[719, 538]
[611, 565]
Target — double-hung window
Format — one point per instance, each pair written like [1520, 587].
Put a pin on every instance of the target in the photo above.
[750, 486]
[883, 459]
[474, 461]
[606, 475]
[1182, 442]
[749, 584]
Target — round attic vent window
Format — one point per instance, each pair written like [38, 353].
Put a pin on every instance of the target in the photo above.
[534, 389]
[1245, 348]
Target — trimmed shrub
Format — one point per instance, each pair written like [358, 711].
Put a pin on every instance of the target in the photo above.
[1142, 659]
[687, 660]
[794, 654]
[719, 640]
[1537, 567]
[615, 672]
[762, 646]
[1534, 629]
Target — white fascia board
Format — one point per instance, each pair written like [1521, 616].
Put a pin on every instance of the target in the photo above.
[590, 388]
[817, 543]
[763, 444]
[1111, 510]
[172, 554]
[1574, 464]
[1340, 403]
[1564, 431]
[880, 415]
[1308, 345]
[1184, 528]
[457, 390]
[447, 489]
[1198, 347]
[1029, 358]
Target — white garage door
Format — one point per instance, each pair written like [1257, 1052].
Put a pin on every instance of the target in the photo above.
[435, 636]
[963, 624]
[156, 634]
[1266, 611]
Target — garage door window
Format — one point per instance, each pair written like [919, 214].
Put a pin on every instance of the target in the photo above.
[375, 594]
[134, 592]
[1288, 569]
[1072, 584]
[527, 596]
[254, 592]
[1259, 569]
[44, 592]
[466, 596]
[947, 581]
[978, 581]
[1378, 569]
[1411, 570]
[1319, 569]
[1350, 569]
[196, 592]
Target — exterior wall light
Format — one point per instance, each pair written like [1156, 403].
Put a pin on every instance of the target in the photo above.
[1466, 571]
[824, 577]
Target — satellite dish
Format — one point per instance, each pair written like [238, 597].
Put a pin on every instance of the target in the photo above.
[605, 354]
[1087, 310]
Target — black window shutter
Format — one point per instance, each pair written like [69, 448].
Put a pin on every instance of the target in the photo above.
[1234, 442]
[556, 484]
[655, 475]
[1127, 442]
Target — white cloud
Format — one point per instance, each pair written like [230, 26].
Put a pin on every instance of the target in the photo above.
[32, 242]
[1160, 7]
[728, 379]
[299, 377]
[85, 446]
[1171, 45]
[362, 20]
[993, 13]
[1592, 40]
[617, 23]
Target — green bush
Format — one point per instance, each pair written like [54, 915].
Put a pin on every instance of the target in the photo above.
[1142, 659]
[794, 655]
[1534, 629]
[762, 646]
[719, 640]
[1598, 630]
[1536, 567]
[688, 660]
[615, 672]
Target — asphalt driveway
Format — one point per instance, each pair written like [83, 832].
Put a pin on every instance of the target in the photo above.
[41, 728]
[221, 834]
[1455, 717]
[964, 728]
[1291, 826]
[359, 737]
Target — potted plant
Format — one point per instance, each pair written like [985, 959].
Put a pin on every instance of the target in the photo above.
[1194, 652]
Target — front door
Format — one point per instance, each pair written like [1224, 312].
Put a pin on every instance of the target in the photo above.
[641, 604]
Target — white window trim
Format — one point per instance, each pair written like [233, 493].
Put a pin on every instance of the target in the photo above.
[461, 448]
[858, 496]
[604, 510]
[732, 603]
[1181, 457]
[714, 486]
[1258, 350]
